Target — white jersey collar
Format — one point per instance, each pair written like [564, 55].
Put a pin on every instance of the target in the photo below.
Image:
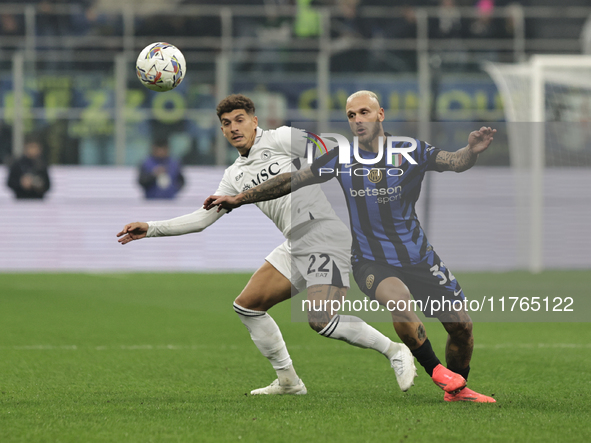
[258, 136]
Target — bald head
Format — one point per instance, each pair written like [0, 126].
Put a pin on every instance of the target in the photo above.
[366, 94]
[364, 105]
[365, 116]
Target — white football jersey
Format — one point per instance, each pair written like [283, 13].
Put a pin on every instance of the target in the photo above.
[275, 152]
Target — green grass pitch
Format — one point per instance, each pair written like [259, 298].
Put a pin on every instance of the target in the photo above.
[163, 358]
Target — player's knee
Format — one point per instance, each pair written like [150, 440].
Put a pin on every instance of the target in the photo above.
[404, 293]
[243, 302]
[467, 328]
[258, 303]
[393, 292]
[250, 303]
[460, 330]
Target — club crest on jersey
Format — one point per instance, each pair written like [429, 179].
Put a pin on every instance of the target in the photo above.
[375, 175]
[266, 154]
[369, 281]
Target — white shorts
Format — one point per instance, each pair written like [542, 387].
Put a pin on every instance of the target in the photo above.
[319, 253]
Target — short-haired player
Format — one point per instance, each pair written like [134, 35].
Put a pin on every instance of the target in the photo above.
[263, 155]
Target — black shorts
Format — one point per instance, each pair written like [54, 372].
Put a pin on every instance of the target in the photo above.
[429, 281]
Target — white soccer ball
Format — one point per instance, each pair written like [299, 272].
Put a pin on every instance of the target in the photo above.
[161, 67]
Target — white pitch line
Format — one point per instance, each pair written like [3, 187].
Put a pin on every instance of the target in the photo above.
[41, 347]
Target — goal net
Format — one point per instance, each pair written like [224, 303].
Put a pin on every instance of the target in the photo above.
[547, 103]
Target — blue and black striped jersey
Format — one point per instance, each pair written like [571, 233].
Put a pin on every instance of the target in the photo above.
[381, 200]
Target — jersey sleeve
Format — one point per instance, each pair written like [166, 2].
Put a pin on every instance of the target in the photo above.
[291, 141]
[185, 224]
[196, 221]
[326, 166]
[225, 187]
[425, 155]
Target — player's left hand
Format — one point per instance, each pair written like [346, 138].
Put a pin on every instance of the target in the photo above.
[228, 202]
[479, 140]
[132, 231]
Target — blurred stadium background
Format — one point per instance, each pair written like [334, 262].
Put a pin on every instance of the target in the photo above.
[67, 74]
[92, 355]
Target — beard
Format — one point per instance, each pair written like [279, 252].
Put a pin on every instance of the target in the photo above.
[371, 132]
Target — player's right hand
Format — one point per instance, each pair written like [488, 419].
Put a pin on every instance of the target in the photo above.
[132, 231]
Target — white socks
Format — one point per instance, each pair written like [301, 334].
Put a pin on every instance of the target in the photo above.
[267, 337]
[356, 332]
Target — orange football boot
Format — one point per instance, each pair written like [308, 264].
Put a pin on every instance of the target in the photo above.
[468, 395]
[447, 380]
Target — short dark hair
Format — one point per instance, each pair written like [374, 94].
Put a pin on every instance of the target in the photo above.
[233, 102]
[160, 142]
[33, 138]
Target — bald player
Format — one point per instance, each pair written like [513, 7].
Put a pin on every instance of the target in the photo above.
[391, 256]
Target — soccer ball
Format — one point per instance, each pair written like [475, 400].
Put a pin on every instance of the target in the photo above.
[160, 67]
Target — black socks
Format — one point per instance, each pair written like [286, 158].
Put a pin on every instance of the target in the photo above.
[427, 358]
[463, 372]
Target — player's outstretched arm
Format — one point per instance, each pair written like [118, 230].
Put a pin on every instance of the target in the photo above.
[185, 224]
[132, 231]
[463, 159]
[274, 188]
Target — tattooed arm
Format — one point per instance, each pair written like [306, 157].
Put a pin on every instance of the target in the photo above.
[274, 188]
[465, 158]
